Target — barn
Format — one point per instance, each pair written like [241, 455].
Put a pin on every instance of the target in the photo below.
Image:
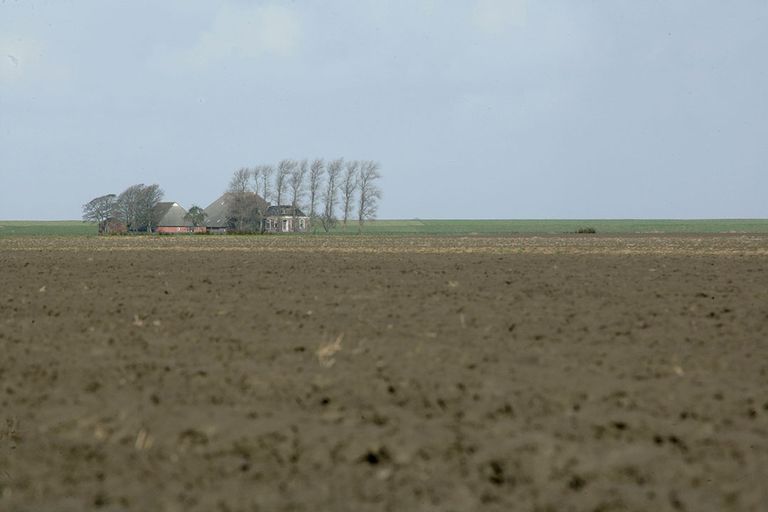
[171, 218]
[217, 214]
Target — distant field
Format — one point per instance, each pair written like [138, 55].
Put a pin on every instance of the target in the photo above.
[490, 227]
[455, 227]
[46, 228]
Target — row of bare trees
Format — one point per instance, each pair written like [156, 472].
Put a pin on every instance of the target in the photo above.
[134, 208]
[328, 190]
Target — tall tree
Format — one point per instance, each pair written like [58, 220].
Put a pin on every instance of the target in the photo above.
[244, 208]
[127, 206]
[284, 169]
[100, 210]
[315, 181]
[330, 194]
[369, 192]
[255, 176]
[240, 181]
[348, 186]
[266, 178]
[136, 206]
[296, 183]
[149, 197]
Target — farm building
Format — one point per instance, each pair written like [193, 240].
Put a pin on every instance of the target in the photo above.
[171, 218]
[218, 214]
[284, 219]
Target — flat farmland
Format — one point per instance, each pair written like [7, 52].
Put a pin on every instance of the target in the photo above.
[535, 373]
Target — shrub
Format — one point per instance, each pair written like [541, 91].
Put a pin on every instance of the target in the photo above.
[586, 230]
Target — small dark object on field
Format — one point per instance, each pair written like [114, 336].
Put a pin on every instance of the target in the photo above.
[582, 231]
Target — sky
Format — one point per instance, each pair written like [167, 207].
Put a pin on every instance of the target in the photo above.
[474, 108]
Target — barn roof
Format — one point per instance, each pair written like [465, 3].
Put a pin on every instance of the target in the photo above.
[171, 215]
[218, 211]
[284, 210]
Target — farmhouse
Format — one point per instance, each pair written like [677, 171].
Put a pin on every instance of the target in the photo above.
[171, 218]
[217, 214]
[284, 219]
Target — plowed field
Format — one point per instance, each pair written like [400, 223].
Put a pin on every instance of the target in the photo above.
[581, 373]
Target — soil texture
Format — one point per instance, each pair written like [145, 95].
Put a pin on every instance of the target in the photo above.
[560, 373]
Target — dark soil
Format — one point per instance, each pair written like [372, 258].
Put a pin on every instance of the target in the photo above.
[534, 374]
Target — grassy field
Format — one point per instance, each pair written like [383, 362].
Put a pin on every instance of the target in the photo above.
[500, 227]
[455, 227]
[46, 228]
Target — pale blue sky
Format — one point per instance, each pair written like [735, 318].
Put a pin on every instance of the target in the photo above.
[475, 108]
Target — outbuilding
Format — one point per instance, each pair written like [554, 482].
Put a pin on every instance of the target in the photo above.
[172, 218]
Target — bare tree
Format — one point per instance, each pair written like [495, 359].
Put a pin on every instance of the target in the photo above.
[369, 192]
[348, 186]
[296, 183]
[315, 180]
[127, 206]
[284, 169]
[266, 177]
[330, 195]
[245, 210]
[149, 197]
[255, 175]
[136, 206]
[100, 210]
[241, 180]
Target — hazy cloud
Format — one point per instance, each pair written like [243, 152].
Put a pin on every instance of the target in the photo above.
[19, 58]
[241, 31]
[497, 16]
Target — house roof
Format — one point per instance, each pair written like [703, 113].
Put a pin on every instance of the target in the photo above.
[171, 215]
[284, 210]
[217, 212]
